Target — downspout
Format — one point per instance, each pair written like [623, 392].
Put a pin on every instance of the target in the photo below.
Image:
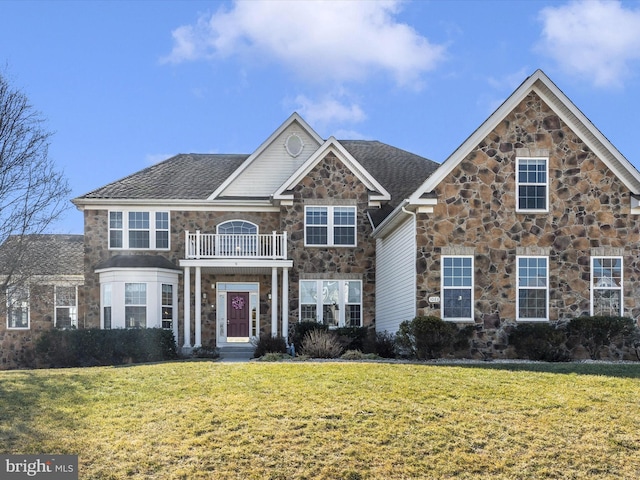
[415, 250]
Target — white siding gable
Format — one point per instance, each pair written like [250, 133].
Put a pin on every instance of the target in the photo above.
[272, 167]
[396, 277]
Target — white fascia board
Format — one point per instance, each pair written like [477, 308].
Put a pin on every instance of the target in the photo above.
[272, 138]
[594, 138]
[333, 146]
[163, 204]
[391, 221]
[538, 82]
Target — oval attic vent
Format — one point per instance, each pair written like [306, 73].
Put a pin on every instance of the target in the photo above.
[294, 145]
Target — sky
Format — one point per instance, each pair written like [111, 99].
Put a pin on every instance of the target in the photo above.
[126, 84]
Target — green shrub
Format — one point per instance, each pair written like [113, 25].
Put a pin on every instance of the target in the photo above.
[352, 338]
[268, 344]
[91, 347]
[298, 331]
[540, 341]
[382, 344]
[321, 344]
[594, 333]
[206, 352]
[426, 337]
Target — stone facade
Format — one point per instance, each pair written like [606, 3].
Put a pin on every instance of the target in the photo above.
[589, 214]
[331, 183]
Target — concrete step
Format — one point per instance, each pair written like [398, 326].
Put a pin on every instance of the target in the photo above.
[238, 353]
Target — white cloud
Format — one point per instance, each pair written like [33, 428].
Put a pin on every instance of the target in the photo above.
[594, 39]
[320, 40]
[328, 110]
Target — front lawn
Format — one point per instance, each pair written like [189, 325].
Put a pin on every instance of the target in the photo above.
[206, 420]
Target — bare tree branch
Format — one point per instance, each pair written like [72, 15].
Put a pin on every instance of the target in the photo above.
[33, 192]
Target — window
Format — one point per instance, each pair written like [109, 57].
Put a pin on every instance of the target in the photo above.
[66, 314]
[330, 226]
[18, 307]
[237, 237]
[106, 306]
[336, 303]
[167, 306]
[457, 288]
[532, 184]
[606, 286]
[139, 230]
[135, 305]
[533, 292]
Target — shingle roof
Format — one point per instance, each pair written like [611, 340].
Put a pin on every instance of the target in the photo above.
[43, 255]
[397, 170]
[184, 177]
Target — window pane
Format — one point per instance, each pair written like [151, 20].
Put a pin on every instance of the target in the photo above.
[115, 238]
[354, 291]
[352, 316]
[316, 235]
[533, 303]
[135, 293]
[457, 303]
[344, 235]
[330, 315]
[607, 302]
[330, 292]
[107, 317]
[607, 272]
[308, 292]
[162, 220]
[308, 313]
[139, 220]
[344, 216]
[115, 220]
[65, 296]
[138, 239]
[162, 239]
[135, 317]
[316, 216]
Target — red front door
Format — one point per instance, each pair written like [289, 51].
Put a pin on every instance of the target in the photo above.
[237, 314]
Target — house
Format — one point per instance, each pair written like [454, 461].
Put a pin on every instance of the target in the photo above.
[534, 218]
[241, 245]
[42, 276]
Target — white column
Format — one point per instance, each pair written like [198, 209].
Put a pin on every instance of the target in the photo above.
[285, 303]
[274, 301]
[198, 342]
[187, 307]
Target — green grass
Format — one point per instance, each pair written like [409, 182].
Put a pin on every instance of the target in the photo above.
[207, 420]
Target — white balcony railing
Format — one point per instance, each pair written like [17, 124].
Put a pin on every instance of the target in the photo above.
[212, 245]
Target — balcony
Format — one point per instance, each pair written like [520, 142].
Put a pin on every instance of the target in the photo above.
[200, 246]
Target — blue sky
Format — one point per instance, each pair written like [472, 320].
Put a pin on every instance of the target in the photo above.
[126, 84]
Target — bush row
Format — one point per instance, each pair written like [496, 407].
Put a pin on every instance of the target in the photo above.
[91, 347]
[429, 337]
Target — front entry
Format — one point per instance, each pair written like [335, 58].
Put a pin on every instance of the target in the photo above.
[237, 314]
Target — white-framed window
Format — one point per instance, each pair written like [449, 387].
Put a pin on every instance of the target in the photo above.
[138, 230]
[457, 288]
[18, 307]
[532, 301]
[138, 298]
[336, 303]
[237, 238]
[532, 184]
[606, 286]
[106, 306]
[135, 305]
[330, 226]
[66, 313]
[167, 306]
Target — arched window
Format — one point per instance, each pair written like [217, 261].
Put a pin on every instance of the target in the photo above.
[237, 238]
[239, 227]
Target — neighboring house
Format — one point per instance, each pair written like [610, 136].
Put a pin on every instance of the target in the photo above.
[42, 277]
[534, 218]
[245, 244]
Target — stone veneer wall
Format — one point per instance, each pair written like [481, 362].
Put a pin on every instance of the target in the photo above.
[330, 183]
[97, 251]
[589, 215]
[17, 347]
